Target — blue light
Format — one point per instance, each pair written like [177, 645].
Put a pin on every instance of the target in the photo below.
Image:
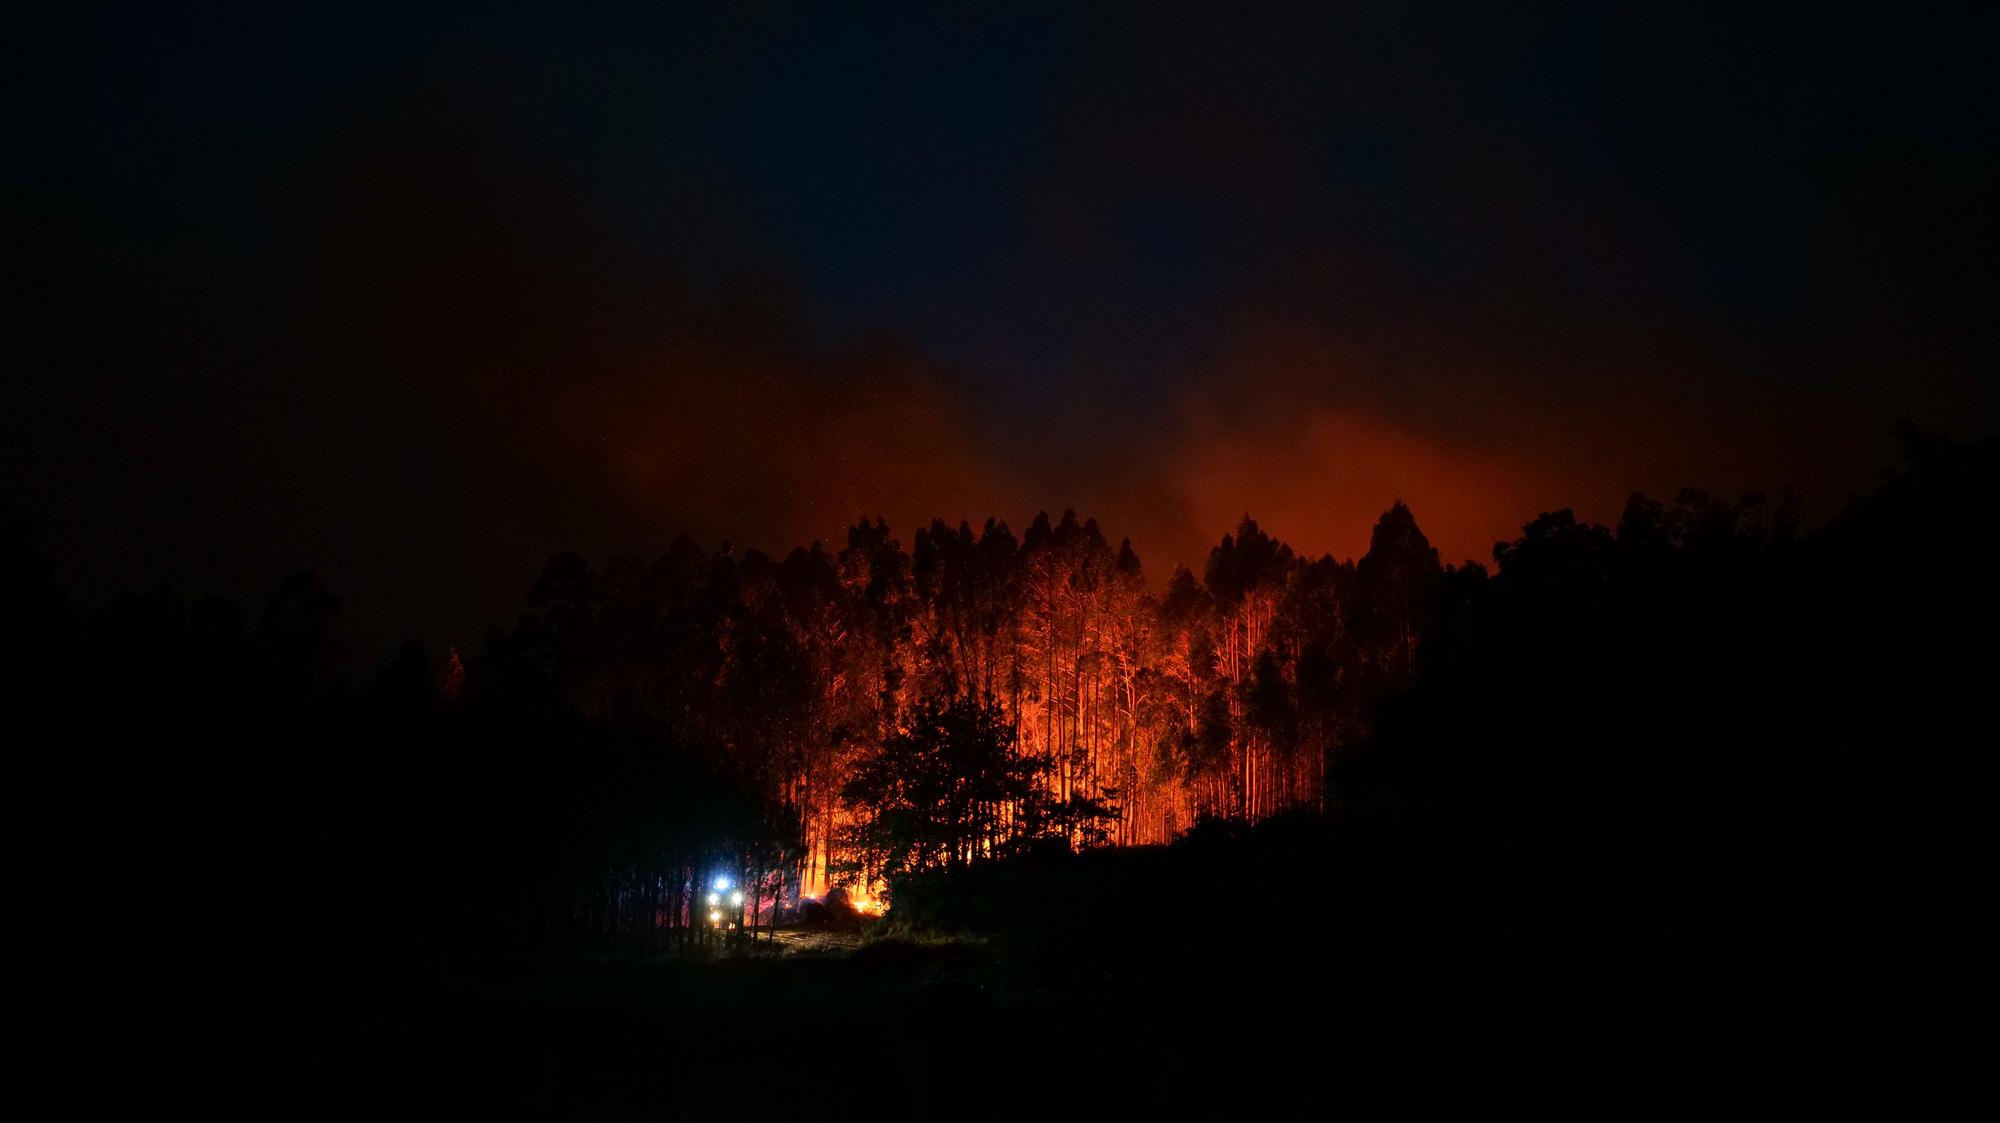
[722, 883]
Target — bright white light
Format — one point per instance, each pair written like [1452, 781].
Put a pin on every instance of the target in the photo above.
[715, 898]
[736, 898]
[714, 914]
[722, 883]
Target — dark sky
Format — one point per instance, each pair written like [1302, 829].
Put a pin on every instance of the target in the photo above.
[416, 299]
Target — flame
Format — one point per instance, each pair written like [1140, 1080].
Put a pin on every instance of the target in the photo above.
[867, 905]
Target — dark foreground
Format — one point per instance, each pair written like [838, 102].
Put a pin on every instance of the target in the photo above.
[1240, 974]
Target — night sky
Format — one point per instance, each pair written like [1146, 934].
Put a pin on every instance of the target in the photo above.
[415, 300]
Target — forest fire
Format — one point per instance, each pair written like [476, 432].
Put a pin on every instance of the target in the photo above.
[613, 561]
[892, 711]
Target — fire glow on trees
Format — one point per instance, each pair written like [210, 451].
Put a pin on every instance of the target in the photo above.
[1116, 714]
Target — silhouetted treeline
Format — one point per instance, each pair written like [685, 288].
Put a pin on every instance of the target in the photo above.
[1701, 697]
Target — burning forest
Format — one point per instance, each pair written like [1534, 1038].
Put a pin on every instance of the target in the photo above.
[992, 562]
[884, 709]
